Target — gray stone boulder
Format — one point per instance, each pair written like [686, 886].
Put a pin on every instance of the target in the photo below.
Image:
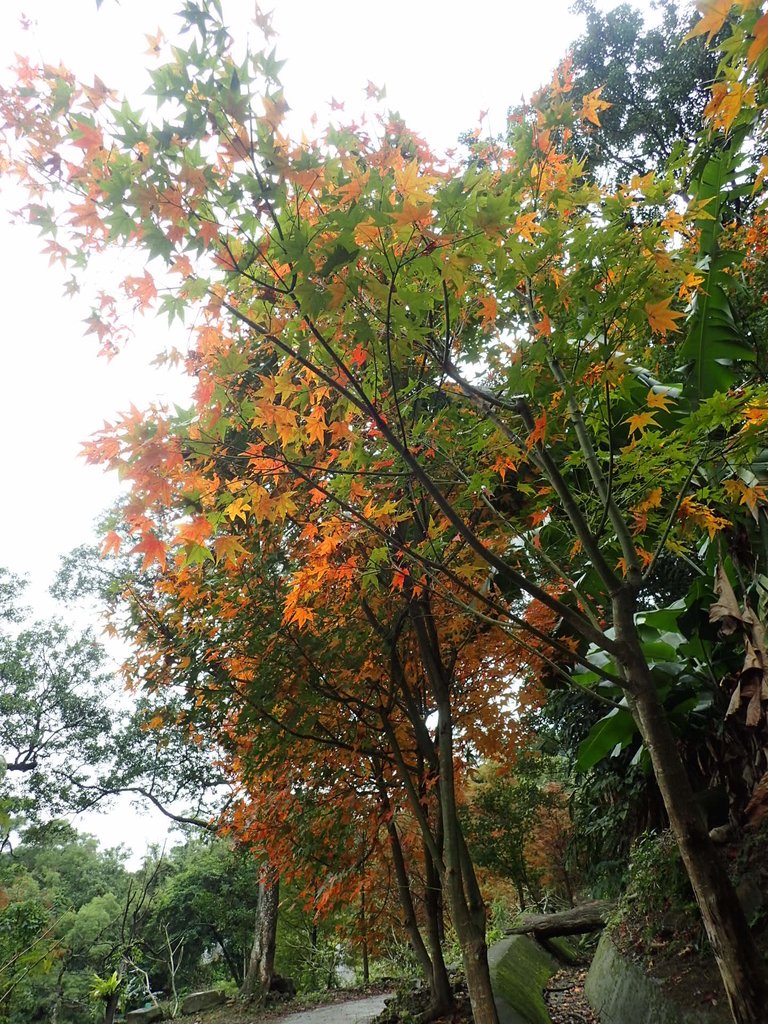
[196, 1001]
[620, 992]
[144, 1016]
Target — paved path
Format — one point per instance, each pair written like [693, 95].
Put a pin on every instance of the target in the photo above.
[356, 1011]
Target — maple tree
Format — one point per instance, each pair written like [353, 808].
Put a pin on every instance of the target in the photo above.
[442, 386]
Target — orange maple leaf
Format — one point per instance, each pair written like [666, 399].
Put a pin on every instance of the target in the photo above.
[87, 137]
[526, 226]
[399, 577]
[367, 233]
[228, 549]
[316, 426]
[359, 355]
[488, 309]
[543, 328]
[153, 550]
[98, 93]
[194, 532]
[714, 14]
[111, 544]
[760, 39]
[295, 614]
[651, 500]
[592, 105]
[701, 515]
[640, 422]
[661, 317]
[142, 289]
[755, 416]
[659, 400]
[539, 431]
[727, 100]
[155, 42]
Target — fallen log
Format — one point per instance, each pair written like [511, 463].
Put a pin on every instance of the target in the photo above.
[589, 917]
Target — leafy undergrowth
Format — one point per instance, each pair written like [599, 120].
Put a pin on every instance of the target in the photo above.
[409, 1004]
[658, 925]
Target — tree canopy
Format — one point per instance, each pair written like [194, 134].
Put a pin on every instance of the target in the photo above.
[450, 421]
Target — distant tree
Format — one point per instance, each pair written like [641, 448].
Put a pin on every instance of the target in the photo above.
[657, 88]
[507, 814]
[55, 715]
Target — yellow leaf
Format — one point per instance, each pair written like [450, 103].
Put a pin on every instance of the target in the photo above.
[658, 400]
[237, 509]
[651, 500]
[727, 100]
[640, 422]
[713, 16]
[592, 104]
[661, 317]
[412, 186]
[283, 506]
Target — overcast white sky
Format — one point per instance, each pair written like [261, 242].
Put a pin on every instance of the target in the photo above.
[442, 62]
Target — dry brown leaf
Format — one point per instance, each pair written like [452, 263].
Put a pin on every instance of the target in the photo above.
[735, 702]
[725, 610]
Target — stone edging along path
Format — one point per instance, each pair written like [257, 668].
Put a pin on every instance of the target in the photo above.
[619, 991]
[622, 993]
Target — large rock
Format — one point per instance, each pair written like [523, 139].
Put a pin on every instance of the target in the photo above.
[520, 969]
[202, 1001]
[144, 1016]
[620, 992]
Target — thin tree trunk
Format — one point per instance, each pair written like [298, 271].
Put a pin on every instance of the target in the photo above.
[111, 1007]
[457, 875]
[469, 931]
[740, 965]
[364, 943]
[409, 912]
[442, 993]
[234, 969]
[261, 964]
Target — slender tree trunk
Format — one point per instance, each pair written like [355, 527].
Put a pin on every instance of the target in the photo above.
[111, 1007]
[442, 992]
[313, 938]
[364, 943]
[261, 963]
[740, 965]
[459, 883]
[470, 929]
[234, 969]
[441, 996]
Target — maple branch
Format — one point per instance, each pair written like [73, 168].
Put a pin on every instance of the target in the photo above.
[579, 622]
[671, 521]
[413, 797]
[482, 398]
[437, 570]
[598, 479]
[611, 458]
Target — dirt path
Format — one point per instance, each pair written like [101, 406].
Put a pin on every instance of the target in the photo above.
[355, 1011]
